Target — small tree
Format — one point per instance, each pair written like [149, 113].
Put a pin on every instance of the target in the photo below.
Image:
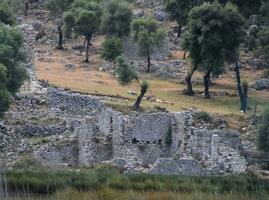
[126, 74]
[263, 132]
[242, 89]
[4, 96]
[12, 74]
[6, 15]
[57, 9]
[83, 18]
[264, 13]
[263, 37]
[210, 40]
[149, 36]
[111, 48]
[178, 10]
[117, 18]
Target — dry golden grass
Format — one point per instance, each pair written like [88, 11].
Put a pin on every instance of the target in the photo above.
[88, 78]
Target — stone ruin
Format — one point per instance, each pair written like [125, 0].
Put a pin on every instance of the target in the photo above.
[158, 143]
[63, 129]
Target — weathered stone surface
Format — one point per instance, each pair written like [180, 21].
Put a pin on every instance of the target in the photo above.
[261, 84]
[186, 166]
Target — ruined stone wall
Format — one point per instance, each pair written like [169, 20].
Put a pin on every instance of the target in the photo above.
[146, 140]
[72, 104]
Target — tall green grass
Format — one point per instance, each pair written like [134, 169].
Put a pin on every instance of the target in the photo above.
[44, 180]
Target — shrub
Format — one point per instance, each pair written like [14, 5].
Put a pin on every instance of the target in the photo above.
[263, 132]
[203, 116]
[111, 48]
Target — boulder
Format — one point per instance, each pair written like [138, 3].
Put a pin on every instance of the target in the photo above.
[261, 84]
[160, 15]
[138, 13]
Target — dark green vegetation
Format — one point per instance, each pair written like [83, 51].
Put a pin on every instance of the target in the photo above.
[126, 74]
[84, 19]
[57, 9]
[111, 48]
[6, 15]
[179, 9]
[148, 35]
[117, 18]
[12, 73]
[263, 36]
[263, 132]
[216, 44]
[37, 179]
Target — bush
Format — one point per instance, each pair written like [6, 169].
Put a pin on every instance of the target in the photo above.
[203, 116]
[266, 73]
[6, 15]
[263, 132]
[111, 48]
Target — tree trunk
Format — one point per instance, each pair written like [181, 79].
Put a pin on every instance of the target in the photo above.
[139, 98]
[83, 46]
[88, 38]
[60, 32]
[26, 8]
[148, 70]
[239, 88]
[189, 91]
[179, 31]
[184, 55]
[207, 84]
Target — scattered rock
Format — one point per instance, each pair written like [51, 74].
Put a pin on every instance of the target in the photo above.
[138, 13]
[70, 66]
[261, 84]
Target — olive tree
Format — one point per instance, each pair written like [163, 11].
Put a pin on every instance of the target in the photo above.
[148, 35]
[263, 37]
[210, 40]
[84, 19]
[126, 74]
[57, 9]
[12, 74]
[263, 132]
[178, 10]
[111, 48]
[117, 18]
[6, 15]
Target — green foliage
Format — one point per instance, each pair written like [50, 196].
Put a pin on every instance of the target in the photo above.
[4, 100]
[266, 73]
[264, 13]
[58, 7]
[111, 48]
[11, 56]
[210, 40]
[263, 132]
[263, 37]
[178, 10]
[42, 180]
[145, 85]
[12, 74]
[84, 17]
[125, 72]
[6, 15]
[148, 34]
[246, 7]
[117, 18]
[203, 116]
[17, 6]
